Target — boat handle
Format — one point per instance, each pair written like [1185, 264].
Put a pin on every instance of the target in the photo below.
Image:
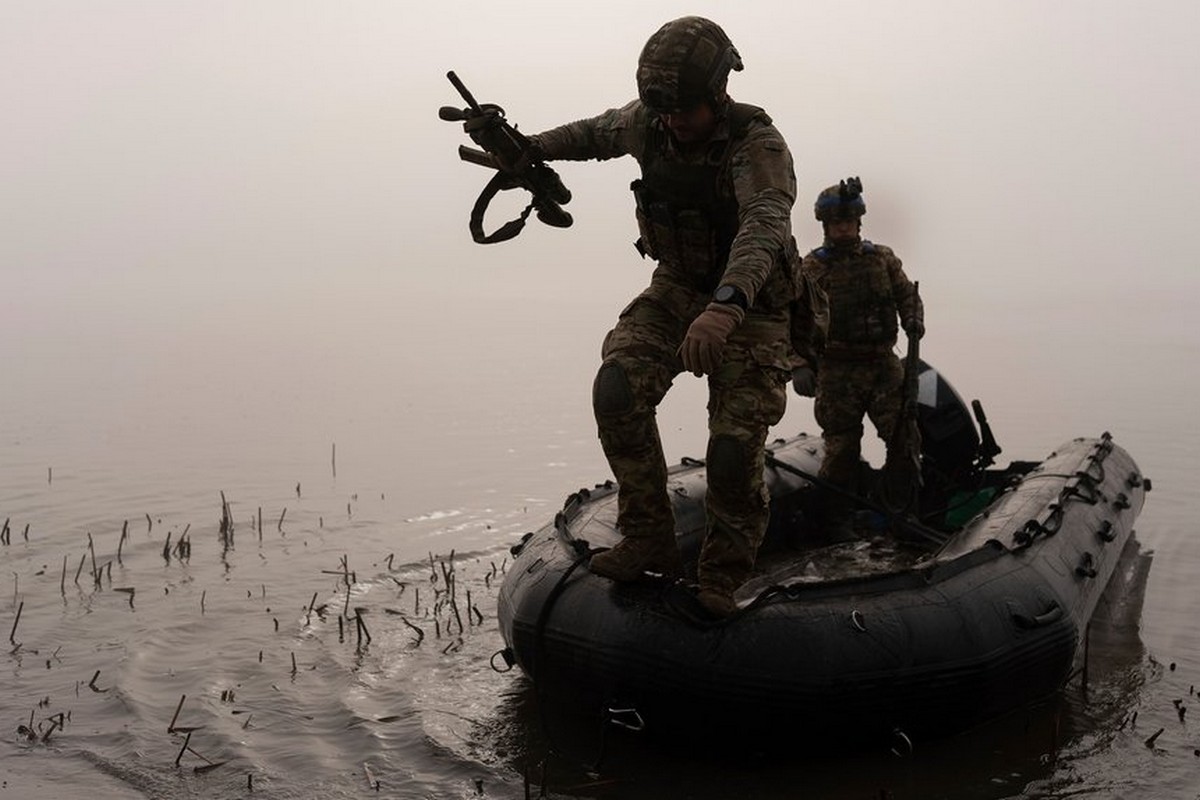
[519, 546]
[1050, 615]
[1087, 566]
[509, 660]
[1106, 532]
[903, 746]
[635, 723]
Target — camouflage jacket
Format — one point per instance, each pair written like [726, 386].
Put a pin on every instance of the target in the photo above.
[755, 170]
[866, 289]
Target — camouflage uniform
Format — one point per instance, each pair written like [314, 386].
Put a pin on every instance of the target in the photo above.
[721, 216]
[859, 373]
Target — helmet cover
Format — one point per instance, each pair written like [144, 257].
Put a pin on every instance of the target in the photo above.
[685, 63]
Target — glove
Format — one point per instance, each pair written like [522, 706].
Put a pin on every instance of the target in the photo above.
[701, 348]
[804, 381]
[914, 327]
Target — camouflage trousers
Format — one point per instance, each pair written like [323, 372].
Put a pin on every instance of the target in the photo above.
[747, 394]
[846, 391]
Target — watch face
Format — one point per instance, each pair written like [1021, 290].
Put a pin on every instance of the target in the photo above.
[725, 294]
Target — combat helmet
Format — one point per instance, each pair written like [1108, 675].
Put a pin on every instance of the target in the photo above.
[841, 202]
[685, 63]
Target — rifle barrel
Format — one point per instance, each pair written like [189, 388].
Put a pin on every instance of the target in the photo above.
[462, 89]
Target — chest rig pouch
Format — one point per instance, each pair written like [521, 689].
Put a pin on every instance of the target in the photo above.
[686, 212]
[862, 309]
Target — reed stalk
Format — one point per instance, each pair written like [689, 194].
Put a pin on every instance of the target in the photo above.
[186, 741]
[311, 603]
[420, 633]
[175, 716]
[12, 634]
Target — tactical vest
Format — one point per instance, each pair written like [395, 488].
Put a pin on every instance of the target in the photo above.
[687, 215]
[862, 308]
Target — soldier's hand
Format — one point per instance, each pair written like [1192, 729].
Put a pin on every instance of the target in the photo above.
[914, 327]
[705, 339]
[804, 381]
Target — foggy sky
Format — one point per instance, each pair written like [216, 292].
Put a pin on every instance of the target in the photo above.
[250, 171]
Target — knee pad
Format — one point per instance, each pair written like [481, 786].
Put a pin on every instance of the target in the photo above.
[611, 394]
[727, 465]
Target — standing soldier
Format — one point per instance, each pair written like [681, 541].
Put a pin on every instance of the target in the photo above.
[713, 207]
[858, 372]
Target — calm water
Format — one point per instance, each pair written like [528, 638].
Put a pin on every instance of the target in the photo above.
[383, 459]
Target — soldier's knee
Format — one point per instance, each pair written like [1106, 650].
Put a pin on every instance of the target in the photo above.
[611, 394]
[727, 467]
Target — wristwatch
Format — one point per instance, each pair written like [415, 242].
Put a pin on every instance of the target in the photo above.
[730, 294]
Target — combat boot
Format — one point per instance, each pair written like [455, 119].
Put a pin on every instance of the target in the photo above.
[717, 601]
[635, 555]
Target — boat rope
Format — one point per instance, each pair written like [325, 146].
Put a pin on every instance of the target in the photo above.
[1081, 485]
[1082, 670]
[1034, 528]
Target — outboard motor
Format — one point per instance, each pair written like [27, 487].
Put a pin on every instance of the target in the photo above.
[951, 448]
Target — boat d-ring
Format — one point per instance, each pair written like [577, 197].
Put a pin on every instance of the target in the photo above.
[509, 660]
[903, 746]
[856, 619]
[627, 718]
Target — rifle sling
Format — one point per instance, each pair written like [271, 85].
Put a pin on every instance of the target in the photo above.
[500, 182]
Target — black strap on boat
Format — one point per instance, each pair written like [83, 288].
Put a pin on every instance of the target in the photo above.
[1081, 486]
[1048, 526]
[583, 552]
[911, 526]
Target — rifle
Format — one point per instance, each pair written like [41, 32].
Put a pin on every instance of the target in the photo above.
[517, 163]
[900, 480]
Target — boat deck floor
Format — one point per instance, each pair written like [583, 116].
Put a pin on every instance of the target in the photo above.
[878, 554]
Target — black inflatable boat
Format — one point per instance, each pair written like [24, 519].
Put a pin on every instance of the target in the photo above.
[925, 625]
